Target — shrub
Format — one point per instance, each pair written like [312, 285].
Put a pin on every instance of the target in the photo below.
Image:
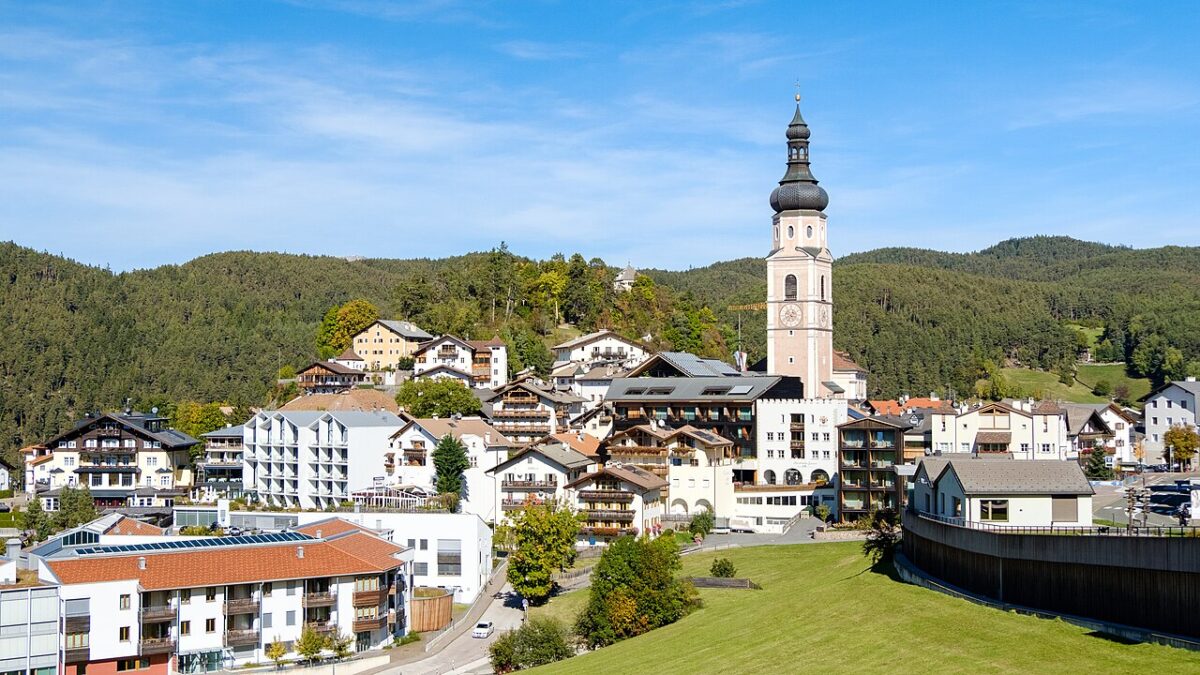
[884, 534]
[723, 567]
[823, 512]
[404, 363]
[1102, 388]
[702, 523]
[406, 639]
[539, 641]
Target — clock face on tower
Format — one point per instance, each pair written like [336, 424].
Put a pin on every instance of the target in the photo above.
[790, 315]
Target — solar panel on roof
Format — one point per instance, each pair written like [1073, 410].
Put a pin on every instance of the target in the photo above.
[272, 538]
[740, 389]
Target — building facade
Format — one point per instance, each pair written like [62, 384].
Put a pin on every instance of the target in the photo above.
[1020, 429]
[410, 459]
[1168, 406]
[524, 410]
[329, 377]
[602, 347]
[312, 459]
[219, 471]
[869, 449]
[1004, 493]
[382, 344]
[477, 363]
[540, 472]
[617, 500]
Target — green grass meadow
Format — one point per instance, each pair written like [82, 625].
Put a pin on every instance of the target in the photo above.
[823, 610]
[1115, 375]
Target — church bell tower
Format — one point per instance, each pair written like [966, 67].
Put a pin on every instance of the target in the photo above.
[800, 273]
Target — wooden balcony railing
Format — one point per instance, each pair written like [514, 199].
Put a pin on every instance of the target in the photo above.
[614, 496]
[610, 515]
[369, 598]
[319, 599]
[323, 626]
[529, 484]
[241, 606]
[243, 637]
[157, 645]
[368, 625]
[79, 655]
[158, 612]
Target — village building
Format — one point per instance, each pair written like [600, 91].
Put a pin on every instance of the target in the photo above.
[1171, 405]
[994, 492]
[409, 461]
[381, 345]
[524, 410]
[617, 500]
[539, 472]
[475, 363]
[328, 377]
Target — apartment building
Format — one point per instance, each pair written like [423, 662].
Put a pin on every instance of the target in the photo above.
[219, 471]
[617, 500]
[1170, 405]
[29, 620]
[382, 344]
[410, 458]
[1101, 427]
[524, 410]
[1023, 429]
[312, 459]
[476, 363]
[602, 347]
[538, 472]
[199, 604]
[115, 455]
[869, 449]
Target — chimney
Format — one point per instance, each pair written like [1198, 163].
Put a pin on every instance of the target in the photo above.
[299, 551]
[1189, 379]
[12, 549]
[933, 396]
[318, 537]
[141, 562]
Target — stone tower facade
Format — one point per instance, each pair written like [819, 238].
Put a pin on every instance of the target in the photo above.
[800, 273]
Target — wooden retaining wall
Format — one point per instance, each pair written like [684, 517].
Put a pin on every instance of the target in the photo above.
[1151, 583]
[431, 609]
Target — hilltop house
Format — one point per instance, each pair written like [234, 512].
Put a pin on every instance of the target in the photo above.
[382, 344]
[1173, 404]
[475, 363]
[410, 458]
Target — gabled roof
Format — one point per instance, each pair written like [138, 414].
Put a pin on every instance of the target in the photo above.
[474, 426]
[627, 274]
[349, 418]
[633, 475]
[170, 439]
[895, 407]
[364, 400]
[843, 362]
[556, 452]
[1078, 415]
[527, 385]
[331, 527]
[334, 368]
[592, 337]
[349, 355]
[1032, 477]
[585, 444]
[225, 432]
[128, 526]
[686, 365]
[481, 345]
[705, 437]
[875, 420]
[443, 368]
[743, 388]
[1190, 387]
[404, 329]
[429, 344]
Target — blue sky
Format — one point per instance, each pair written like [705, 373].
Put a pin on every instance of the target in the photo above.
[139, 133]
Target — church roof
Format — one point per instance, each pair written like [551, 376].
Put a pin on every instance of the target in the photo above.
[798, 190]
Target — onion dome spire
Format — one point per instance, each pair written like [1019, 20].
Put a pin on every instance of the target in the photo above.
[798, 190]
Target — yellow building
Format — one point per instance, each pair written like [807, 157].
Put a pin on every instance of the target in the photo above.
[382, 344]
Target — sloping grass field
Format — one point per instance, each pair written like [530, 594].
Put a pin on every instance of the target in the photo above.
[1114, 374]
[1031, 381]
[823, 610]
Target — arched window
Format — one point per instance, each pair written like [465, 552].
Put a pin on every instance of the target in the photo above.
[769, 476]
[792, 477]
[819, 476]
[789, 287]
[822, 286]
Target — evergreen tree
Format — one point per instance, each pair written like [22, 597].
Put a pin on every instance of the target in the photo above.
[449, 463]
[35, 520]
[1095, 467]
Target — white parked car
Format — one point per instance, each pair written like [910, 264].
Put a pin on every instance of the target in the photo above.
[482, 629]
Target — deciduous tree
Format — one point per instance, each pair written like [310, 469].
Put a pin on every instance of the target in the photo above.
[1183, 442]
[544, 542]
[341, 324]
[436, 397]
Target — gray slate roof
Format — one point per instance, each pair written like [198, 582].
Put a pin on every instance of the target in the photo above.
[557, 452]
[350, 418]
[406, 329]
[694, 366]
[1032, 477]
[741, 388]
[227, 432]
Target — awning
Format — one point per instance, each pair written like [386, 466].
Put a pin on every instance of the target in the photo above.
[993, 437]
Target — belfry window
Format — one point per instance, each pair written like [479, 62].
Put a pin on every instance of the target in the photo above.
[822, 286]
[789, 286]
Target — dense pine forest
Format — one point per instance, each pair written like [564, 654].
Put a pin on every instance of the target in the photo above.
[221, 327]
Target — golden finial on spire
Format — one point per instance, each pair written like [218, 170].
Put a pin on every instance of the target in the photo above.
[797, 91]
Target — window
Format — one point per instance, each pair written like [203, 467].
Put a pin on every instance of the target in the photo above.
[210, 594]
[366, 584]
[449, 557]
[927, 502]
[956, 504]
[133, 664]
[995, 510]
[1025, 447]
[210, 625]
[151, 461]
[424, 544]
[789, 287]
[1046, 447]
[420, 569]
[185, 596]
[266, 620]
[77, 640]
[822, 286]
[123, 634]
[291, 617]
[291, 589]
[185, 627]
[125, 602]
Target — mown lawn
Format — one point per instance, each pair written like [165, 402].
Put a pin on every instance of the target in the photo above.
[822, 609]
[1115, 375]
[1047, 384]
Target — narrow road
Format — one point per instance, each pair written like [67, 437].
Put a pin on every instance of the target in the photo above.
[466, 654]
[1110, 502]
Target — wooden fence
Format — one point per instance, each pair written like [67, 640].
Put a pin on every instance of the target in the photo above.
[431, 609]
[1146, 582]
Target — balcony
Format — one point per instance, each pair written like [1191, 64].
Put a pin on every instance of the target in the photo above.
[241, 606]
[513, 504]
[796, 426]
[615, 496]
[417, 456]
[80, 655]
[532, 413]
[369, 598]
[368, 625]
[241, 638]
[529, 484]
[323, 627]
[158, 613]
[77, 624]
[157, 645]
[635, 450]
[609, 515]
[608, 531]
[797, 445]
[321, 599]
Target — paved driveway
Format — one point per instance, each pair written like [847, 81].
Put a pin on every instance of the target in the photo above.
[466, 654]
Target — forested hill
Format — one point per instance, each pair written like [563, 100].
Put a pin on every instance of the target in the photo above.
[220, 327]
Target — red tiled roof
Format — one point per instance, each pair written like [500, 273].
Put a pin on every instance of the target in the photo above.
[129, 526]
[894, 407]
[331, 527]
[358, 553]
[584, 444]
[842, 361]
